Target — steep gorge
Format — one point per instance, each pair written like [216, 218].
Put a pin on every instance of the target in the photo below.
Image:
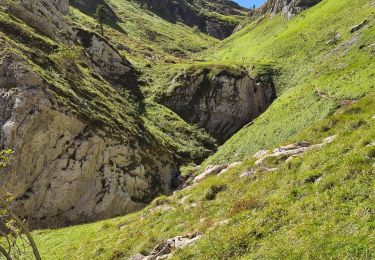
[103, 123]
[71, 113]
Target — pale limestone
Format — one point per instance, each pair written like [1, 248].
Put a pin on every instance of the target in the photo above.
[62, 172]
[221, 104]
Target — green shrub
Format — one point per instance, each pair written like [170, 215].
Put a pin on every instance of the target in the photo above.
[214, 190]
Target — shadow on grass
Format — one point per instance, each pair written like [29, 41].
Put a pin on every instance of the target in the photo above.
[89, 7]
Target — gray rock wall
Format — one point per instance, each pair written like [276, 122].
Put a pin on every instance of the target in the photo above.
[63, 170]
[106, 60]
[222, 104]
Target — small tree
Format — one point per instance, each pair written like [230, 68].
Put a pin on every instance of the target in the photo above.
[16, 241]
[101, 14]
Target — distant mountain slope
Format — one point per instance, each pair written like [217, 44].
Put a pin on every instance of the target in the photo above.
[140, 34]
[217, 18]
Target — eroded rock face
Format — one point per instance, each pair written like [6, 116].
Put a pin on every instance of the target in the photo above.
[222, 104]
[64, 171]
[106, 60]
[46, 16]
[288, 8]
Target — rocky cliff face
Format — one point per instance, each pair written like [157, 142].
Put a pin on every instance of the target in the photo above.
[65, 171]
[106, 60]
[287, 8]
[221, 102]
[81, 152]
[192, 13]
[47, 17]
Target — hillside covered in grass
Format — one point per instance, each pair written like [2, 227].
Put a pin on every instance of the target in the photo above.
[319, 204]
[320, 64]
[190, 129]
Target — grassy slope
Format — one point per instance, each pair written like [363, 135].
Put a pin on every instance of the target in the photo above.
[150, 39]
[306, 64]
[321, 205]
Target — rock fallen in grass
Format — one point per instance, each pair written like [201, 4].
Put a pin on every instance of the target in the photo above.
[137, 257]
[358, 26]
[215, 170]
[165, 249]
[162, 208]
[335, 38]
[193, 205]
[329, 139]
[270, 169]
[184, 199]
[284, 153]
[289, 147]
[229, 166]
[247, 173]
[260, 154]
[288, 152]
[222, 222]
[209, 171]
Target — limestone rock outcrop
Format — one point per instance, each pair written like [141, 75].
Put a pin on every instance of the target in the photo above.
[106, 60]
[64, 170]
[288, 152]
[166, 249]
[216, 170]
[221, 103]
[287, 8]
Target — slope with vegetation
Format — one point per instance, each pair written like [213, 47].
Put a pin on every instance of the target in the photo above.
[290, 193]
[216, 18]
[317, 73]
[319, 204]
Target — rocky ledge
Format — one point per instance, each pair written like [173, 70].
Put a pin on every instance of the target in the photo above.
[287, 8]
